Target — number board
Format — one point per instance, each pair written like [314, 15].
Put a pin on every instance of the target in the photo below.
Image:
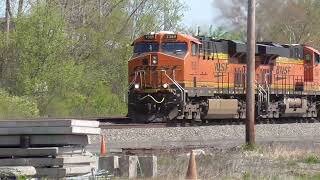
[170, 36]
[150, 37]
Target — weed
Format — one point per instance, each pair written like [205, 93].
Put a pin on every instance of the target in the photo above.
[246, 176]
[249, 147]
[309, 177]
[312, 159]
[292, 163]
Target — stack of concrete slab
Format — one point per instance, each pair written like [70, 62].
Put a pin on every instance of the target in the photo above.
[56, 147]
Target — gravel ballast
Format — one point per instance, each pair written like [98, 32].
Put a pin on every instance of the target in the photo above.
[218, 136]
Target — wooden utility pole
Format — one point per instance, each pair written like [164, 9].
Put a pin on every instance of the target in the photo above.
[250, 90]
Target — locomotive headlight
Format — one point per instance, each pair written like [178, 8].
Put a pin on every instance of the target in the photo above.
[165, 85]
[154, 60]
[136, 86]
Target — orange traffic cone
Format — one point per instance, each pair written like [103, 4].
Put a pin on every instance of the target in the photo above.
[103, 148]
[192, 168]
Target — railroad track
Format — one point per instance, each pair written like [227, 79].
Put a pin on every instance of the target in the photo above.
[121, 122]
[125, 123]
[128, 126]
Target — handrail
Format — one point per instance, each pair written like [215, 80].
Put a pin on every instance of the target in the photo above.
[176, 84]
[263, 91]
[136, 73]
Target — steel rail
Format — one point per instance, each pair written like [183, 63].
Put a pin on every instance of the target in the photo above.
[223, 122]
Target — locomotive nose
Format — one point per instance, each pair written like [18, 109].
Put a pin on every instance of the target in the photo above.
[156, 70]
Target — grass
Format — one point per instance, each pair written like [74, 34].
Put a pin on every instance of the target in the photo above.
[246, 176]
[249, 147]
[266, 162]
[312, 159]
[292, 163]
[249, 176]
[22, 178]
[308, 177]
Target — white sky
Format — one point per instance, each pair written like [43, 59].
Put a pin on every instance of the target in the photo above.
[200, 12]
[2, 8]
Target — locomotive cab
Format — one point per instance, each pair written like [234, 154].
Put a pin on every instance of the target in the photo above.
[311, 62]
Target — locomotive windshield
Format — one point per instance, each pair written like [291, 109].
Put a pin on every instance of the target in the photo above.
[174, 48]
[144, 47]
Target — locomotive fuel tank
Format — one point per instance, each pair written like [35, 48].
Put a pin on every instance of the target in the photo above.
[222, 108]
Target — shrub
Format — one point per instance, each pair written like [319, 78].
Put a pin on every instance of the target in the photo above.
[14, 107]
[99, 102]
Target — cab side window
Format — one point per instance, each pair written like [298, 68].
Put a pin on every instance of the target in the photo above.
[296, 53]
[308, 57]
[317, 58]
[194, 49]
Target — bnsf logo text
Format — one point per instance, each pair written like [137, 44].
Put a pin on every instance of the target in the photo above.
[221, 67]
[282, 70]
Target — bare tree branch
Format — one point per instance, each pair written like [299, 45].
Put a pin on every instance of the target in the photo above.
[20, 7]
[130, 16]
[8, 17]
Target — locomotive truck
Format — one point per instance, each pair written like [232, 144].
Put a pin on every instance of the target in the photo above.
[174, 76]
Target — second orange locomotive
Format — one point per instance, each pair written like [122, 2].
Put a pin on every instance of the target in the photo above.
[176, 76]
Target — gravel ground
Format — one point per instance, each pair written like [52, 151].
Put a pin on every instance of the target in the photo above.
[216, 136]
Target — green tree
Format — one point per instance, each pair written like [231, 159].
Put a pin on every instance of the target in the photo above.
[42, 45]
[71, 56]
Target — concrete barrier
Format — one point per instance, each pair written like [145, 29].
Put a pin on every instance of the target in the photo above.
[128, 166]
[109, 163]
[148, 166]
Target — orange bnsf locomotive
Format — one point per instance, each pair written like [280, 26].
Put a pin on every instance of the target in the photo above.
[174, 76]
